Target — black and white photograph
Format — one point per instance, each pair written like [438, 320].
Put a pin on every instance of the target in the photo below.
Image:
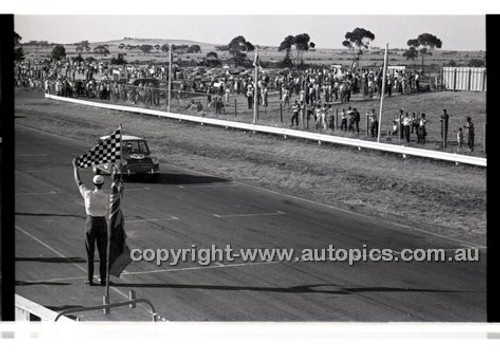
[250, 168]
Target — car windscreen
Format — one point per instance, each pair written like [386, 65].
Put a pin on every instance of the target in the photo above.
[135, 147]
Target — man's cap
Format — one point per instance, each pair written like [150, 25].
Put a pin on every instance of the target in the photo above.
[98, 180]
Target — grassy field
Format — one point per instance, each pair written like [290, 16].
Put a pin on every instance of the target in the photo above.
[442, 198]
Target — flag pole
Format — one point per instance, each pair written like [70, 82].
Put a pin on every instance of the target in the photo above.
[169, 78]
[106, 299]
[255, 93]
[106, 293]
[121, 151]
[108, 227]
[384, 73]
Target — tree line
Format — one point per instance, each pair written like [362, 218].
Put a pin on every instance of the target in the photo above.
[294, 46]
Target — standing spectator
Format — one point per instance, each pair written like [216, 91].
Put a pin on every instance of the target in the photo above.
[250, 96]
[389, 83]
[414, 123]
[350, 117]
[264, 96]
[317, 115]
[400, 123]
[227, 95]
[302, 97]
[209, 94]
[422, 133]
[417, 81]
[343, 119]
[395, 124]
[236, 87]
[399, 84]
[331, 118]
[286, 97]
[357, 119]
[444, 126]
[460, 139]
[309, 109]
[295, 113]
[372, 117]
[406, 127]
[324, 112]
[470, 133]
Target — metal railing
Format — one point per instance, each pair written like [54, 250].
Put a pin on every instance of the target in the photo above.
[360, 144]
[108, 306]
[27, 310]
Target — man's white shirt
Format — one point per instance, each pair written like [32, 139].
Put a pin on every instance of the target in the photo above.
[96, 201]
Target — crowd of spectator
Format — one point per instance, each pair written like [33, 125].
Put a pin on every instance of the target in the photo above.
[313, 91]
[327, 84]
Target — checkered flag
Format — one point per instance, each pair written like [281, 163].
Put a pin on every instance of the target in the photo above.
[107, 151]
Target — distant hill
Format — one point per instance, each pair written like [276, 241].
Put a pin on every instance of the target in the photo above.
[141, 41]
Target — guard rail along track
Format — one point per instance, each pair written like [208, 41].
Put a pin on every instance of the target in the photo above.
[384, 147]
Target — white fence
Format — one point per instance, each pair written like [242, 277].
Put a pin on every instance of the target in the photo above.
[384, 147]
[464, 78]
[27, 310]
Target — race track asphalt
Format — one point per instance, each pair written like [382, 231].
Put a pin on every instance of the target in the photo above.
[186, 208]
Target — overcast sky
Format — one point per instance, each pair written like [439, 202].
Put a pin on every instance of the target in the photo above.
[457, 32]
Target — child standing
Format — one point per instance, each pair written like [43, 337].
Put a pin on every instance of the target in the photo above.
[460, 139]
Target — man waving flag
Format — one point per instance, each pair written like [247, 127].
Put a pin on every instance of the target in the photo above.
[108, 150]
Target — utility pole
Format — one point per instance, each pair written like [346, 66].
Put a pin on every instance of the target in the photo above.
[384, 72]
[169, 78]
[255, 90]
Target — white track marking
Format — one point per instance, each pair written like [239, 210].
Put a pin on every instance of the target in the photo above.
[136, 189]
[63, 256]
[151, 220]
[36, 194]
[221, 266]
[126, 273]
[55, 279]
[248, 215]
[47, 246]
[208, 185]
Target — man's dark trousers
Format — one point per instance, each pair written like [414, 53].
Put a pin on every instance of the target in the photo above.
[96, 232]
[470, 142]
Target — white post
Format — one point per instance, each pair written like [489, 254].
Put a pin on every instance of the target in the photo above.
[169, 77]
[255, 90]
[384, 73]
